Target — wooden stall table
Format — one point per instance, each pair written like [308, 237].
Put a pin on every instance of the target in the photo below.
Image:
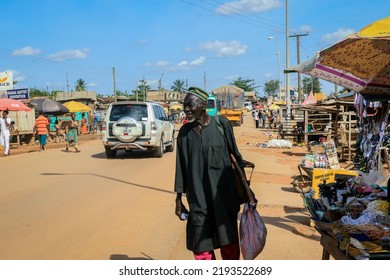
[330, 247]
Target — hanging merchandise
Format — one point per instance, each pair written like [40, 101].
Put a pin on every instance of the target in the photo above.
[372, 123]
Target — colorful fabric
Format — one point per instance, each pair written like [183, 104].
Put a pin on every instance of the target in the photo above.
[41, 124]
[83, 126]
[72, 137]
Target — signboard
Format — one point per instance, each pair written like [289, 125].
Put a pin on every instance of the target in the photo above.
[6, 80]
[326, 176]
[18, 94]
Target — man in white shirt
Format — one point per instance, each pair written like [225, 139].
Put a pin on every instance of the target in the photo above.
[256, 118]
[5, 124]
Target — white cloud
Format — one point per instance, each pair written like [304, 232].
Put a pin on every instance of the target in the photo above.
[26, 51]
[225, 49]
[182, 65]
[162, 63]
[305, 29]
[232, 77]
[334, 37]
[244, 6]
[92, 84]
[188, 49]
[152, 82]
[69, 54]
[186, 65]
[198, 61]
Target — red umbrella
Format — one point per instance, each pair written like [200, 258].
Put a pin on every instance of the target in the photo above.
[12, 105]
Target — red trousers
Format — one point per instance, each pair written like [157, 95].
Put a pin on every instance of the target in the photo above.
[228, 252]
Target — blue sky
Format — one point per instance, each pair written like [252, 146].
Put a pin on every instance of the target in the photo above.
[204, 42]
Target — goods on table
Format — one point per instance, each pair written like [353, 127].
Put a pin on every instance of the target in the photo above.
[356, 212]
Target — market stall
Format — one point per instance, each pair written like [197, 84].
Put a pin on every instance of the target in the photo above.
[352, 216]
[352, 212]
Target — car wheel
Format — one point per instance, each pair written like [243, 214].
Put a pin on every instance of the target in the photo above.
[110, 153]
[171, 148]
[160, 151]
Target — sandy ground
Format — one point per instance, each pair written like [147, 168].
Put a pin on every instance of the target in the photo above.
[290, 236]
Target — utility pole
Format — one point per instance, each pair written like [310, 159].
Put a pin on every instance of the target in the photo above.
[144, 87]
[67, 83]
[159, 86]
[113, 74]
[288, 97]
[298, 36]
[204, 81]
[278, 53]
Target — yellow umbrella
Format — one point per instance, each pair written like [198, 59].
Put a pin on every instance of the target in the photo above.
[273, 107]
[74, 106]
[360, 62]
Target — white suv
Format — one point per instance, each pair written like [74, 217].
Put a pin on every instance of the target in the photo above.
[131, 125]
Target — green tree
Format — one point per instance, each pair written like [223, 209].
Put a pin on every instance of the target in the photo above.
[34, 92]
[246, 85]
[142, 90]
[311, 83]
[179, 86]
[80, 85]
[271, 88]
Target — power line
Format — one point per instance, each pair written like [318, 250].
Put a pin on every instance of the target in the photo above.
[242, 17]
[48, 64]
[251, 15]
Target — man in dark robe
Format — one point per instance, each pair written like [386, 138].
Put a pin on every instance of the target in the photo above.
[204, 173]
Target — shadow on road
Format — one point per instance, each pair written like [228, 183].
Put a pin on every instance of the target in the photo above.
[294, 154]
[109, 178]
[126, 155]
[296, 224]
[290, 189]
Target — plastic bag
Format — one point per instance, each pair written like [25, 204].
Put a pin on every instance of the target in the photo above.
[276, 143]
[253, 233]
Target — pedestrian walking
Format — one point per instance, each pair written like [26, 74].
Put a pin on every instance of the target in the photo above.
[271, 119]
[264, 118]
[83, 124]
[96, 120]
[72, 134]
[256, 118]
[41, 127]
[204, 173]
[5, 131]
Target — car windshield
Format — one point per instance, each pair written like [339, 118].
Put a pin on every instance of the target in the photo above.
[136, 112]
[210, 104]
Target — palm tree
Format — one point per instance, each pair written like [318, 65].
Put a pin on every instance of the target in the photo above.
[80, 85]
[142, 90]
[178, 85]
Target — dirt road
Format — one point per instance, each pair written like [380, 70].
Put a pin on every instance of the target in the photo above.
[57, 205]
